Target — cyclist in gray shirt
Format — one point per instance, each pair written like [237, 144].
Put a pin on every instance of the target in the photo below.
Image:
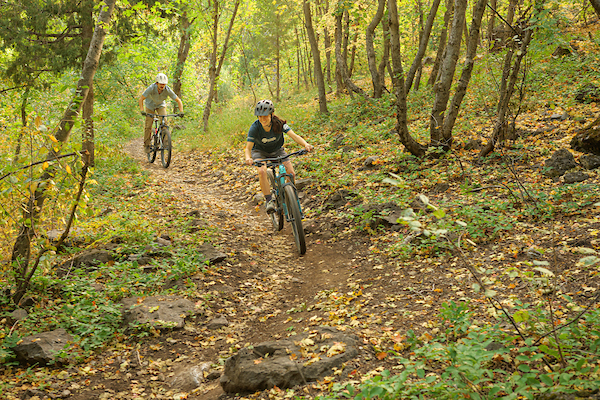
[153, 101]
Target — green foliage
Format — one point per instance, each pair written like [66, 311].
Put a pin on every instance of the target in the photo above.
[471, 361]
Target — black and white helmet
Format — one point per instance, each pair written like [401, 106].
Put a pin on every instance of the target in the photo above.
[264, 107]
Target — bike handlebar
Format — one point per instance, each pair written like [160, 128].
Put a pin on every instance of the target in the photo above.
[159, 115]
[277, 160]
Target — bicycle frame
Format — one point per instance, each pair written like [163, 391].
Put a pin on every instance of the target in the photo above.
[280, 174]
[161, 138]
[286, 197]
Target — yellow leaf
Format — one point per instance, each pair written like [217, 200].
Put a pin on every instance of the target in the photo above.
[53, 138]
[45, 165]
[68, 169]
[37, 121]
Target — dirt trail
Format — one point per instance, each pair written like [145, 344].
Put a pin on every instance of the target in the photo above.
[263, 278]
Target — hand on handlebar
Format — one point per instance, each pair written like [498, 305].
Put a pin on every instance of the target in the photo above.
[180, 115]
[144, 113]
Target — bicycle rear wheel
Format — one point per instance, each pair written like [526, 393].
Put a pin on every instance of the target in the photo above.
[295, 218]
[153, 148]
[277, 216]
[165, 150]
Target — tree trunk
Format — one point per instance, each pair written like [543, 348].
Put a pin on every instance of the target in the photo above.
[465, 76]
[510, 15]
[370, 48]
[214, 68]
[352, 55]
[442, 44]
[504, 101]
[385, 58]
[32, 208]
[423, 42]
[268, 81]
[182, 52]
[596, 5]
[442, 86]
[308, 78]
[316, 57]
[491, 22]
[24, 101]
[341, 61]
[327, 40]
[87, 111]
[277, 60]
[398, 81]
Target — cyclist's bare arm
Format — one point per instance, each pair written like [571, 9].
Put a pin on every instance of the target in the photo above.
[248, 152]
[298, 139]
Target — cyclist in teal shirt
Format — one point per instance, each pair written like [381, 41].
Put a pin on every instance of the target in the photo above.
[265, 140]
[153, 101]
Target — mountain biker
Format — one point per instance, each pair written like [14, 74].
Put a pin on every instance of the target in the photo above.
[265, 140]
[153, 101]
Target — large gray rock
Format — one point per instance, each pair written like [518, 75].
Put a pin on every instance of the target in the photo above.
[590, 161]
[575, 176]
[43, 347]
[290, 362]
[161, 312]
[89, 260]
[188, 377]
[560, 162]
[211, 254]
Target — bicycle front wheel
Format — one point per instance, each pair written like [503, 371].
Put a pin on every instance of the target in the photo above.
[153, 148]
[295, 218]
[165, 150]
[277, 216]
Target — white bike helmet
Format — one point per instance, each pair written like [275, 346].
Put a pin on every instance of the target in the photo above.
[264, 107]
[162, 78]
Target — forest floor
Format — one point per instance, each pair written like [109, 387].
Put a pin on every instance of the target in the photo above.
[267, 292]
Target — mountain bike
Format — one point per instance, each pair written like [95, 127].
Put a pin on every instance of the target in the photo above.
[285, 197]
[161, 139]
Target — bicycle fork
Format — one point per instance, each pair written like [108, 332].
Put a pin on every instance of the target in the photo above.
[282, 184]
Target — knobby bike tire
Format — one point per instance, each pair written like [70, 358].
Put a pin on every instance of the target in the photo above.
[166, 148]
[153, 148]
[295, 218]
[276, 217]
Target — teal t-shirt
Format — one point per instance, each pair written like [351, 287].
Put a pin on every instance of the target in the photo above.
[268, 142]
[154, 100]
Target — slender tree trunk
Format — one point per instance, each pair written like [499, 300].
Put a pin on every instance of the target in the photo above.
[370, 49]
[32, 208]
[308, 59]
[465, 77]
[268, 81]
[24, 101]
[352, 55]
[406, 139]
[87, 111]
[247, 68]
[505, 97]
[442, 44]
[327, 40]
[277, 61]
[491, 22]
[424, 41]
[385, 58]
[316, 57]
[596, 5]
[341, 61]
[215, 68]
[442, 86]
[299, 60]
[182, 52]
[510, 15]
